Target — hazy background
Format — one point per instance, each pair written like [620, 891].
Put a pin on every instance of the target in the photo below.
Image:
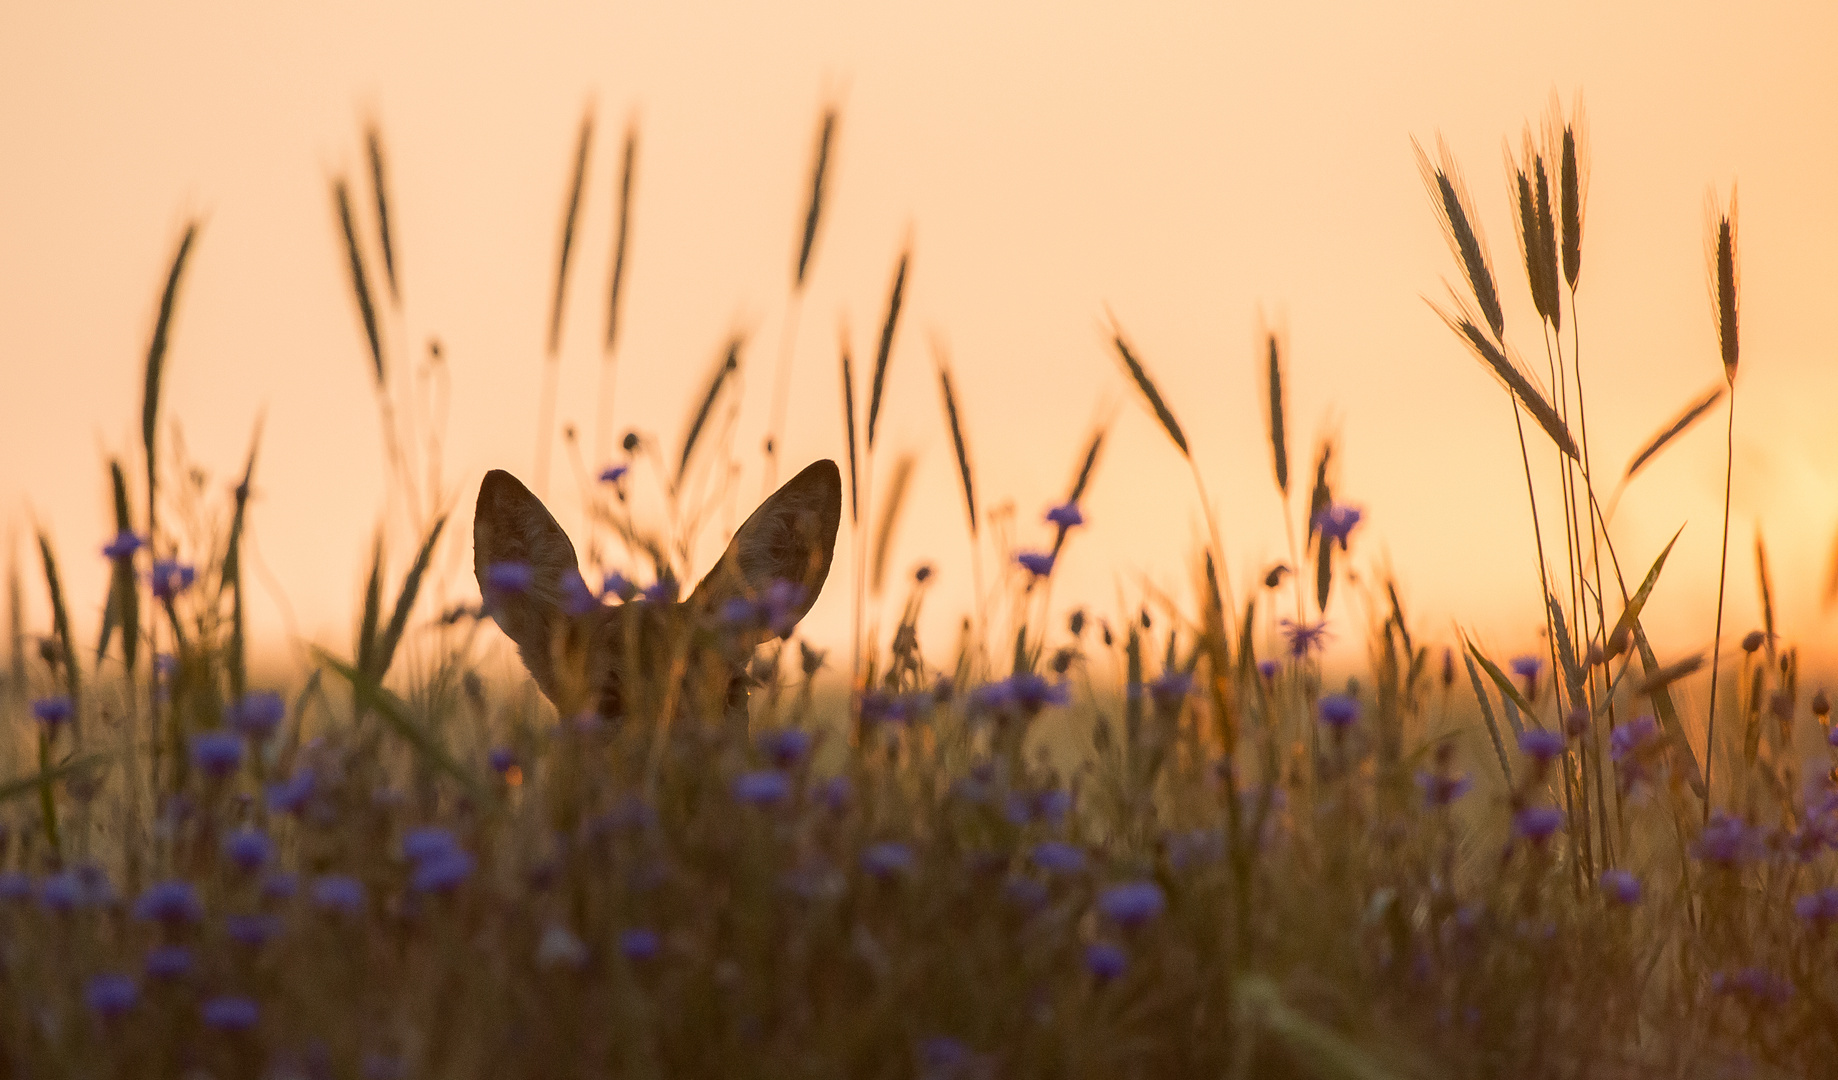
[1184, 168]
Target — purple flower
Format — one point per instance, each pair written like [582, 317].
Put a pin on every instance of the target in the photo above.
[1526, 667]
[616, 584]
[783, 605]
[1336, 521]
[577, 598]
[1621, 886]
[1052, 806]
[1171, 689]
[835, 792]
[1304, 637]
[442, 873]
[216, 753]
[661, 591]
[428, 842]
[1132, 903]
[1267, 668]
[1058, 857]
[1106, 960]
[501, 759]
[173, 901]
[249, 849]
[1540, 745]
[612, 474]
[258, 713]
[168, 962]
[1727, 841]
[1441, 789]
[291, 795]
[252, 930]
[1034, 693]
[61, 892]
[15, 885]
[786, 746]
[110, 995]
[339, 894]
[52, 712]
[1537, 823]
[766, 787]
[1066, 515]
[1339, 711]
[887, 859]
[123, 546]
[1819, 908]
[171, 577]
[639, 943]
[509, 578]
[230, 1013]
[1037, 563]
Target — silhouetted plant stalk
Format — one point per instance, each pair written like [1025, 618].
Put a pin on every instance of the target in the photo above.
[1724, 285]
[813, 216]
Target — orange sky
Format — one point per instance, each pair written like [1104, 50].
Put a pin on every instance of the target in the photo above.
[1185, 169]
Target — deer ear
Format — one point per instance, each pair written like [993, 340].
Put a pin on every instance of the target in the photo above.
[521, 558]
[790, 538]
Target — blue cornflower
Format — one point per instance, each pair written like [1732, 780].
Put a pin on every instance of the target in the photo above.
[249, 849]
[1066, 516]
[1335, 521]
[640, 943]
[887, 858]
[1621, 886]
[123, 546]
[1171, 689]
[1052, 806]
[442, 873]
[1058, 857]
[1304, 637]
[291, 795]
[1106, 960]
[52, 712]
[786, 746]
[168, 962]
[427, 842]
[230, 1013]
[252, 930]
[1132, 903]
[784, 603]
[835, 793]
[1726, 840]
[1441, 789]
[577, 598]
[98, 891]
[662, 591]
[1267, 668]
[766, 787]
[216, 753]
[171, 577]
[612, 474]
[1526, 667]
[110, 995]
[616, 584]
[1339, 711]
[172, 901]
[15, 885]
[1033, 692]
[501, 759]
[61, 891]
[1819, 908]
[1037, 563]
[1540, 745]
[339, 893]
[1537, 823]
[509, 578]
[258, 713]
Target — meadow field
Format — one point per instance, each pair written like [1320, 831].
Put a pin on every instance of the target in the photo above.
[1163, 839]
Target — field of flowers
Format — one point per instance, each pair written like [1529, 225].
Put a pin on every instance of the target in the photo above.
[1154, 842]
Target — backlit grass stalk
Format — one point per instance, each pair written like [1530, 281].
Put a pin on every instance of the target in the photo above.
[545, 423]
[813, 216]
[1725, 282]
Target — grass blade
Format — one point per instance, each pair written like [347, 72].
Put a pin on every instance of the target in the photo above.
[568, 223]
[1661, 697]
[1692, 414]
[405, 603]
[819, 171]
[1516, 381]
[39, 781]
[60, 622]
[1508, 691]
[890, 516]
[885, 352]
[156, 365]
[1493, 726]
[957, 442]
[123, 610]
[232, 578]
[1083, 481]
[622, 233]
[1150, 393]
[1630, 615]
[360, 278]
[848, 424]
[379, 187]
[699, 422]
[1279, 436]
[373, 603]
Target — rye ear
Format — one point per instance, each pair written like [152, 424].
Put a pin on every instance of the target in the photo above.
[521, 557]
[790, 538]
